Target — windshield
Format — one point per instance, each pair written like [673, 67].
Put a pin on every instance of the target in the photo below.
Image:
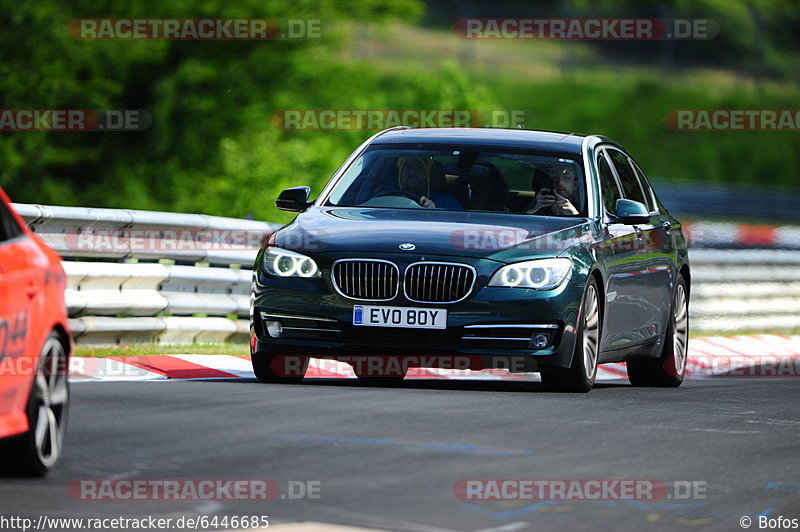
[465, 179]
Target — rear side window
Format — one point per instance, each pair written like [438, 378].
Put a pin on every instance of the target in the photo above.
[608, 184]
[9, 229]
[628, 180]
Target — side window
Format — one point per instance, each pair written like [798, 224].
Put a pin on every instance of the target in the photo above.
[8, 226]
[648, 194]
[630, 185]
[608, 184]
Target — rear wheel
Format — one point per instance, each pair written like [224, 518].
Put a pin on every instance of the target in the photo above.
[581, 375]
[279, 369]
[668, 370]
[38, 450]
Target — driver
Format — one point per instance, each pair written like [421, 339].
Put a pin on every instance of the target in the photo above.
[413, 178]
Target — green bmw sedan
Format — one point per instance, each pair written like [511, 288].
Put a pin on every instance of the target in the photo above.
[532, 251]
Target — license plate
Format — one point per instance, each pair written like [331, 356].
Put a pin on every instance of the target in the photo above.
[417, 318]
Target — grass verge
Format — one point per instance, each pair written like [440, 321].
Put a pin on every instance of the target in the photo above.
[156, 349]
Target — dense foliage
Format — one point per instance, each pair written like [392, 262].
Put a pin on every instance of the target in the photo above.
[213, 148]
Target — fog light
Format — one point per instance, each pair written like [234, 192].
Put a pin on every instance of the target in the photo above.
[540, 340]
[274, 328]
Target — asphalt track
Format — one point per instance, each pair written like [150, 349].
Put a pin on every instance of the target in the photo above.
[388, 456]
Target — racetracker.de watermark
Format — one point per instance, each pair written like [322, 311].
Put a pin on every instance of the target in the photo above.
[378, 119]
[587, 29]
[74, 119]
[376, 365]
[498, 239]
[733, 119]
[194, 29]
[602, 489]
[209, 489]
[163, 240]
[21, 364]
[747, 366]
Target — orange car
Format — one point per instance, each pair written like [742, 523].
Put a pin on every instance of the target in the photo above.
[35, 345]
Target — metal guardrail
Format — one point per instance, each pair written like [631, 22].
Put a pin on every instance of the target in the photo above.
[132, 295]
[728, 200]
[119, 234]
[149, 301]
[745, 290]
[726, 235]
[108, 289]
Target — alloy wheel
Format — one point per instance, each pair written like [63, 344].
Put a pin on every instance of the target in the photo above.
[591, 331]
[51, 398]
[680, 329]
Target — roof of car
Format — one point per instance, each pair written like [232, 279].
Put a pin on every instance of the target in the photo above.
[509, 138]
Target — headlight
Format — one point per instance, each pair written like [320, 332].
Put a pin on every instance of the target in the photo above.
[284, 263]
[541, 274]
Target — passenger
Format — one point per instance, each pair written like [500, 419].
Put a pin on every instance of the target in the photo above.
[554, 187]
[487, 189]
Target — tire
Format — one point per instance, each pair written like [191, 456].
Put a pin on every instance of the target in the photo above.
[37, 451]
[263, 368]
[668, 370]
[580, 376]
[371, 379]
[380, 375]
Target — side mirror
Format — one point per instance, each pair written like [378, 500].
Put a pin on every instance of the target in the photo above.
[632, 212]
[294, 199]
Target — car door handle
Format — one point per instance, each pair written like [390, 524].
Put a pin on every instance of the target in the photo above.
[31, 290]
[666, 225]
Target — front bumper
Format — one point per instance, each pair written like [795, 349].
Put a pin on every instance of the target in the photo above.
[493, 324]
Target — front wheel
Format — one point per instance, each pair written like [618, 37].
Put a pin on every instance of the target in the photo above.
[279, 369]
[667, 371]
[37, 451]
[581, 375]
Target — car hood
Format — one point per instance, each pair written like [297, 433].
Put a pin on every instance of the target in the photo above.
[497, 236]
